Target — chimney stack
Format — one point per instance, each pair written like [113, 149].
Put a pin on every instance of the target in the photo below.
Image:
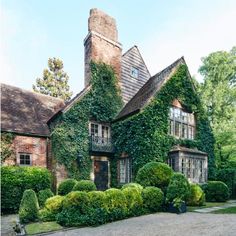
[101, 44]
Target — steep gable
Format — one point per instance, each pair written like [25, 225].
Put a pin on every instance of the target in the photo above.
[130, 85]
[149, 89]
[26, 112]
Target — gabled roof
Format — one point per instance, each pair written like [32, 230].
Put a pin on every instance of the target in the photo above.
[149, 89]
[26, 112]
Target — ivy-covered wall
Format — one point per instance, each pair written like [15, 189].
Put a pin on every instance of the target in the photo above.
[144, 136]
[70, 131]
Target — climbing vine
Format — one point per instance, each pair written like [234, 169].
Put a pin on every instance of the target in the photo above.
[7, 150]
[144, 136]
[70, 131]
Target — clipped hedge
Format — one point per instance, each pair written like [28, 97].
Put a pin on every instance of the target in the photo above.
[178, 187]
[216, 191]
[53, 206]
[133, 185]
[153, 199]
[15, 180]
[85, 185]
[228, 176]
[29, 207]
[66, 186]
[134, 201]
[43, 195]
[197, 196]
[154, 174]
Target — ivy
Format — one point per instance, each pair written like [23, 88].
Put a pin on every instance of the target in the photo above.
[70, 131]
[144, 136]
[7, 150]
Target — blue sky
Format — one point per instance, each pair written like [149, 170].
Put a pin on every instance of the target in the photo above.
[32, 31]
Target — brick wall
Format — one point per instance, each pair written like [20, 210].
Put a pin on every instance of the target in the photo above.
[35, 146]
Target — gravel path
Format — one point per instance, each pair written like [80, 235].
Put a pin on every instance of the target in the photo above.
[163, 224]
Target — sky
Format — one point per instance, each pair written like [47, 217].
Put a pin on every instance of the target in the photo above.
[33, 31]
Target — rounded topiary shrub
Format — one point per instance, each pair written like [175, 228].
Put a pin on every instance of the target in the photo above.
[153, 199]
[43, 195]
[197, 196]
[66, 186]
[154, 174]
[53, 206]
[133, 185]
[134, 200]
[178, 187]
[216, 191]
[115, 203]
[75, 209]
[85, 185]
[29, 207]
[96, 199]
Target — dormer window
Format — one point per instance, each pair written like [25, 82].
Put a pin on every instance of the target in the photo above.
[182, 123]
[134, 72]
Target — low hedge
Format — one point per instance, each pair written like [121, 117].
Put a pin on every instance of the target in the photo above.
[133, 185]
[43, 195]
[29, 207]
[153, 199]
[197, 196]
[53, 206]
[66, 186]
[216, 191]
[15, 180]
[85, 185]
[178, 187]
[154, 174]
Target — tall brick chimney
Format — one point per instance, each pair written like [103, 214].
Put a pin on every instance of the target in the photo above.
[101, 44]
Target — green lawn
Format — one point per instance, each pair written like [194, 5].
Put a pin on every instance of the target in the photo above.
[207, 205]
[230, 210]
[42, 227]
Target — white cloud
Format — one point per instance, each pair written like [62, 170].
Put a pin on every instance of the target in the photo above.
[192, 40]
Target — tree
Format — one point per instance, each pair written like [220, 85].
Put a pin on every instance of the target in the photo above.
[218, 93]
[55, 81]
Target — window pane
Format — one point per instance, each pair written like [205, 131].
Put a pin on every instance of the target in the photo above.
[25, 159]
[177, 129]
[122, 171]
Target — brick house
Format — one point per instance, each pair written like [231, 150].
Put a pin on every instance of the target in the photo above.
[138, 89]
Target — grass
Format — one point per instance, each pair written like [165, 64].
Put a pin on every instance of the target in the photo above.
[42, 227]
[207, 205]
[230, 210]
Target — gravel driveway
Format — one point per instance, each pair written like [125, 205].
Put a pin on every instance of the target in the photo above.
[164, 224]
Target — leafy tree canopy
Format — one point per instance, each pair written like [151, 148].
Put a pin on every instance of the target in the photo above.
[218, 93]
[54, 81]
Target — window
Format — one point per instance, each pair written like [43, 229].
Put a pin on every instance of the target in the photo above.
[124, 170]
[25, 159]
[99, 133]
[182, 124]
[134, 72]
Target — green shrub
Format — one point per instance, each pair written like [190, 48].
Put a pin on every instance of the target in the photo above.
[115, 204]
[75, 209]
[53, 206]
[178, 187]
[66, 186]
[43, 195]
[154, 174]
[15, 180]
[216, 191]
[134, 200]
[96, 199]
[153, 199]
[228, 176]
[85, 185]
[29, 207]
[197, 196]
[133, 185]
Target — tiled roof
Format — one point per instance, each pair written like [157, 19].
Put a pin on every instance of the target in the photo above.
[26, 112]
[149, 89]
[189, 150]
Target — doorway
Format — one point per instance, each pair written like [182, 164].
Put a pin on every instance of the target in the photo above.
[101, 174]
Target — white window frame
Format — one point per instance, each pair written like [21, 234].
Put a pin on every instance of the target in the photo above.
[126, 171]
[182, 124]
[134, 72]
[19, 158]
[100, 127]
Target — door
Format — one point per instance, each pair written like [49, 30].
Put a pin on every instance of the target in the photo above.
[101, 174]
